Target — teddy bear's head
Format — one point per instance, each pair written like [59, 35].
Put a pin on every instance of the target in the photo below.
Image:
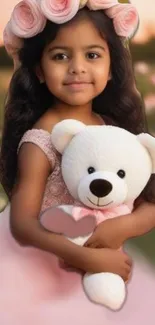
[103, 166]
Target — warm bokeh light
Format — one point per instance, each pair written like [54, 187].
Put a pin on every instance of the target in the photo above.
[146, 11]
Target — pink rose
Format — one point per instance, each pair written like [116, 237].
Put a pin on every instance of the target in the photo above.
[27, 19]
[101, 4]
[60, 11]
[125, 19]
[12, 44]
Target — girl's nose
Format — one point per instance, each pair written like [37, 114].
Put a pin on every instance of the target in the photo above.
[77, 66]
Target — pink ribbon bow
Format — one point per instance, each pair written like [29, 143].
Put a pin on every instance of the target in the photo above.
[80, 212]
[100, 215]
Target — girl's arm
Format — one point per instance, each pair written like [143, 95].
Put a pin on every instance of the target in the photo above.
[33, 171]
[141, 220]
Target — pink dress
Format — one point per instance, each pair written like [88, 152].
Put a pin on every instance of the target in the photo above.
[35, 290]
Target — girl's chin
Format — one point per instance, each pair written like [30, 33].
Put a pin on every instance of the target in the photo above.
[77, 101]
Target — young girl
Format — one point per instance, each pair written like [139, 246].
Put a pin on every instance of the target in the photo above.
[70, 62]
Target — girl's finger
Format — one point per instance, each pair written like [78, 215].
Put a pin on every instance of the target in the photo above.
[89, 241]
[93, 245]
[128, 278]
[129, 261]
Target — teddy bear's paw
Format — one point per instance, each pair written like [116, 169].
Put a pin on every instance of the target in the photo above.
[107, 289]
[60, 220]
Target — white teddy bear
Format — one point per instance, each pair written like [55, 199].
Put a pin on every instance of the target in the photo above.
[105, 168]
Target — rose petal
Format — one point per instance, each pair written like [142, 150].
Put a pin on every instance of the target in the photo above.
[125, 18]
[83, 3]
[27, 19]
[12, 43]
[60, 11]
[101, 4]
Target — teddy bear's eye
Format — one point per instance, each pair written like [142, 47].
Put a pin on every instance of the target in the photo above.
[91, 170]
[121, 173]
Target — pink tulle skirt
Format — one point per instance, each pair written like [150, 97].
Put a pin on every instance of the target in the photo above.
[34, 290]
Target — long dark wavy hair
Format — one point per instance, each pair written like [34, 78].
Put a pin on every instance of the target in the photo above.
[28, 100]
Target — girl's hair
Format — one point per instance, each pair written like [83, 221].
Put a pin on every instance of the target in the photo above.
[28, 99]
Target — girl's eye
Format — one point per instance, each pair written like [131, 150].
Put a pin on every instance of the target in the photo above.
[92, 55]
[60, 56]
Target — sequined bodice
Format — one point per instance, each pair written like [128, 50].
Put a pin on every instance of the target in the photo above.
[56, 192]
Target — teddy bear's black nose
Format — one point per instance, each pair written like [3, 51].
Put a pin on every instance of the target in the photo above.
[100, 187]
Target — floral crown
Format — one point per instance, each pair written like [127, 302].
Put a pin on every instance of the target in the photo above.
[29, 18]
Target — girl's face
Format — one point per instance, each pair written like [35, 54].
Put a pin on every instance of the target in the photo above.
[76, 65]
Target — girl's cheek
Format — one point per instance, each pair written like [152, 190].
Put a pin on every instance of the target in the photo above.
[101, 76]
[103, 71]
[51, 74]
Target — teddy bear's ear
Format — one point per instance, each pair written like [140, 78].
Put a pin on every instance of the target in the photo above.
[64, 131]
[148, 142]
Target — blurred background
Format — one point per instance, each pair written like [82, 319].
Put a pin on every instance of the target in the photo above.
[142, 49]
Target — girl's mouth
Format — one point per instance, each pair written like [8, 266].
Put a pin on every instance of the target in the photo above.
[76, 86]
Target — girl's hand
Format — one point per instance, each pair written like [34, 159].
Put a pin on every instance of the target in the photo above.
[110, 233]
[108, 260]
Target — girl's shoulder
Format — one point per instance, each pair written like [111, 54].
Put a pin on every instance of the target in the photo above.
[40, 135]
[46, 122]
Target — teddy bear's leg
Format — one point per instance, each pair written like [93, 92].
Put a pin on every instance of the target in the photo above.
[107, 289]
